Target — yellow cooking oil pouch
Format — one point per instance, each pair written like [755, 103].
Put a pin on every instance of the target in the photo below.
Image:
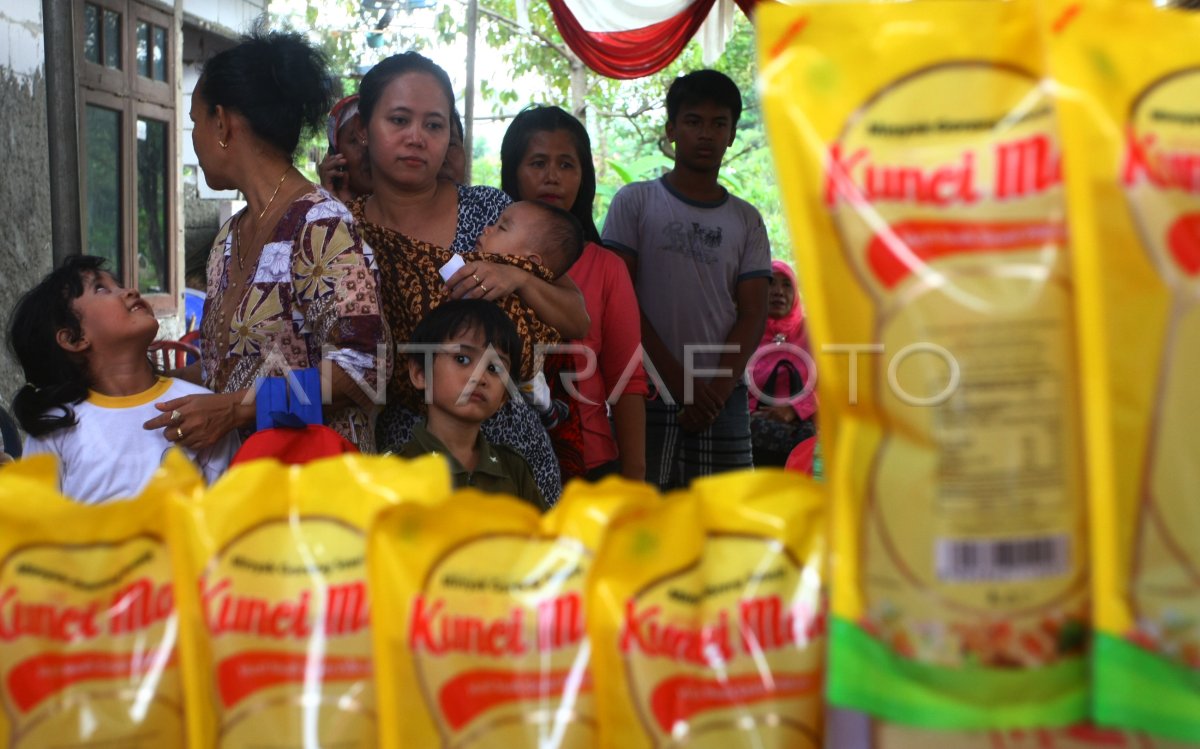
[42, 469]
[918, 156]
[479, 624]
[274, 615]
[87, 614]
[707, 618]
[1131, 118]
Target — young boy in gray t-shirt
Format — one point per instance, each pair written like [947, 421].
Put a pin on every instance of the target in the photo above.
[701, 264]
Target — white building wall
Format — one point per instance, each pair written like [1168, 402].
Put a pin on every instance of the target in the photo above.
[191, 74]
[21, 50]
[25, 254]
[226, 15]
[229, 18]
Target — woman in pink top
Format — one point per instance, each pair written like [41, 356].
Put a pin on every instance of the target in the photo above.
[783, 399]
[546, 155]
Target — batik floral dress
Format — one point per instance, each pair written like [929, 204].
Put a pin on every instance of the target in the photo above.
[314, 296]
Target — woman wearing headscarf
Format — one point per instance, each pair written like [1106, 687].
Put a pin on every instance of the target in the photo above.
[345, 171]
[783, 403]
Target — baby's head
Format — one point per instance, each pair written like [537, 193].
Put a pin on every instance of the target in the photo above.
[542, 233]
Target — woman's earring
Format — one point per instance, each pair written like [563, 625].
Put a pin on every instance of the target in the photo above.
[223, 144]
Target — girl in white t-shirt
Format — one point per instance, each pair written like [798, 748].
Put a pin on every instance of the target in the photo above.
[81, 339]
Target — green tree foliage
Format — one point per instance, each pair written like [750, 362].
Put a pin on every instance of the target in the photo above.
[625, 118]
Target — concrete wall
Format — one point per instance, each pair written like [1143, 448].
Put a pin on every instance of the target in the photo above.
[25, 182]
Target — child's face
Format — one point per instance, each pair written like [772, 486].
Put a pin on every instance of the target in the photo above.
[111, 315]
[701, 133]
[468, 383]
[515, 234]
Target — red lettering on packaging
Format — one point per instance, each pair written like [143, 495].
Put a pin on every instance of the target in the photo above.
[1163, 169]
[680, 698]
[470, 694]
[943, 185]
[134, 607]
[243, 674]
[33, 680]
[346, 612]
[434, 630]
[703, 645]
[905, 247]
[1023, 167]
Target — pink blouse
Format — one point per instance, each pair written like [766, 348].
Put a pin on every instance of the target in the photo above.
[615, 336]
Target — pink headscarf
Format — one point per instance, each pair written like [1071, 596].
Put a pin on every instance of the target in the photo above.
[790, 330]
[791, 326]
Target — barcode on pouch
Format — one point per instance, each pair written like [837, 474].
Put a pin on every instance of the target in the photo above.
[1007, 559]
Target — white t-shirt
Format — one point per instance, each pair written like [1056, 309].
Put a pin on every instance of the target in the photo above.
[108, 455]
[691, 257]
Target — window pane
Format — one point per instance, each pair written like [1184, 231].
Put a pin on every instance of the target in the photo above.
[143, 49]
[160, 53]
[91, 33]
[104, 185]
[112, 39]
[152, 206]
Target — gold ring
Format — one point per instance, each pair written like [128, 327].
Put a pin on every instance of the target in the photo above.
[476, 277]
[175, 415]
[179, 432]
[483, 287]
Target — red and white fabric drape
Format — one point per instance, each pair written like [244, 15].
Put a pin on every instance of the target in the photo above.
[635, 38]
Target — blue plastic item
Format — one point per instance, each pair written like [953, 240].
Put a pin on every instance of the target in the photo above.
[292, 401]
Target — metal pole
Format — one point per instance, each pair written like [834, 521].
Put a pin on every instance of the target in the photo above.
[469, 96]
[66, 222]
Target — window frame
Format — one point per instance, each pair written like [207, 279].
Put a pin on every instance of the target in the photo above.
[135, 97]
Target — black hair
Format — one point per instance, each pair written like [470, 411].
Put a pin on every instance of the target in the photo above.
[564, 236]
[379, 76]
[55, 379]
[704, 86]
[461, 315]
[457, 123]
[516, 142]
[278, 81]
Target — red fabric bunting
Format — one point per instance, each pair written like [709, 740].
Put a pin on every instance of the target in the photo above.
[637, 52]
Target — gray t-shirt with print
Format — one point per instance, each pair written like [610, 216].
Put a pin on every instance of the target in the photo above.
[691, 257]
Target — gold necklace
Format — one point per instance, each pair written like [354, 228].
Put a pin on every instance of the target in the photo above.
[258, 223]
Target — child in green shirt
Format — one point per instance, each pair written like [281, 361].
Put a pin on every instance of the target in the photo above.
[465, 380]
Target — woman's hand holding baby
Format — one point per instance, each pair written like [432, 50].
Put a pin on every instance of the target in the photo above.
[490, 281]
[199, 421]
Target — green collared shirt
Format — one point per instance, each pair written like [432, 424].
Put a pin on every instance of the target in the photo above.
[500, 470]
